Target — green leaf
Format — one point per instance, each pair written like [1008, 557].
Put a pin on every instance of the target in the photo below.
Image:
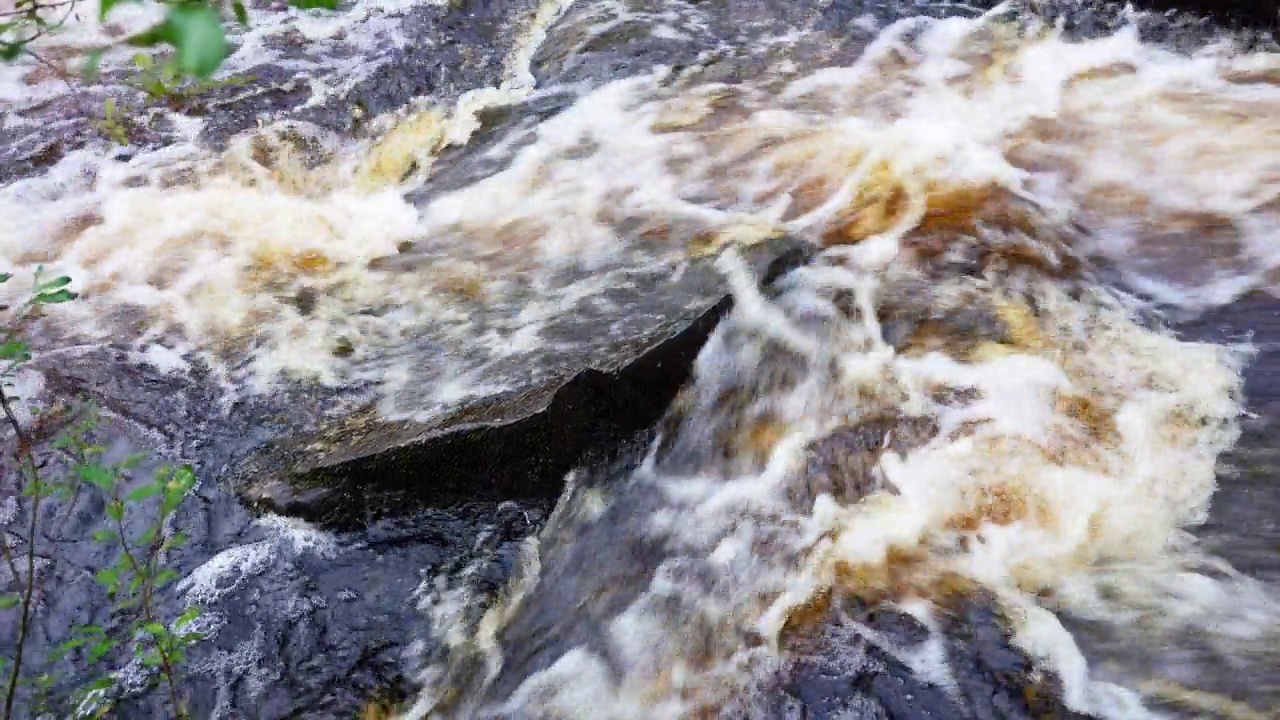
[155, 629]
[9, 601]
[100, 649]
[72, 644]
[105, 7]
[196, 32]
[314, 4]
[54, 284]
[101, 683]
[115, 511]
[134, 460]
[54, 298]
[11, 51]
[152, 36]
[109, 578]
[97, 475]
[103, 535]
[5, 277]
[186, 617]
[242, 14]
[166, 576]
[144, 492]
[14, 350]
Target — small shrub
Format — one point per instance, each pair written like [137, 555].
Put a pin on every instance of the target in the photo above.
[57, 460]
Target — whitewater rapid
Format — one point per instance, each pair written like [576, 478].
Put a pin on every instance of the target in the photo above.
[1050, 190]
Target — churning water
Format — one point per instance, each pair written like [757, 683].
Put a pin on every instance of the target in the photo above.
[998, 205]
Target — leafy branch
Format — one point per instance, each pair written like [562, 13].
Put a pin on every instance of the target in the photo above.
[135, 578]
[14, 351]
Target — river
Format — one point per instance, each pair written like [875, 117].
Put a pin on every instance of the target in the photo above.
[974, 386]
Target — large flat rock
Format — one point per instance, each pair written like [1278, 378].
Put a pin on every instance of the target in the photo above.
[603, 370]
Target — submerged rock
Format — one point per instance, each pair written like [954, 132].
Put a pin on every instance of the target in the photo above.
[311, 623]
[607, 375]
[857, 661]
[843, 464]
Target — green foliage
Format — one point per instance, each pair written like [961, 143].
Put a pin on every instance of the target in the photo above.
[196, 32]
[113, 125]
[136, 575]
[166, 82]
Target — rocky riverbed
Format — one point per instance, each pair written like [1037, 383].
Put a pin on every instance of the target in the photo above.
[442, 303]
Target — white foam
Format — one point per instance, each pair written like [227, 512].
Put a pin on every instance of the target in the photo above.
[1015, 492]
[223, 573]
[1039, 117]
[300, 536]
[960, 121]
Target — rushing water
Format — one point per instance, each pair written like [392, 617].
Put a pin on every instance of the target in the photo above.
[998, 205]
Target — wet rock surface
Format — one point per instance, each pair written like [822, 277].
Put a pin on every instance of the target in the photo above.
[311, 623]
[516, 447]
[607, 371]
[299, 622]
[1263, 14]
[855, 663]
[378, 61]
[1244, 522]
[843, 465]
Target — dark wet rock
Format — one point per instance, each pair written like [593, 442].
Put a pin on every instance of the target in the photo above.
[299, 623]
[515, 447]
[1261, 14]
[605, 376]
[443, 50]
[715, 41]
[597, 564]
[1244, 522]
[835, 670]
[843, 464]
